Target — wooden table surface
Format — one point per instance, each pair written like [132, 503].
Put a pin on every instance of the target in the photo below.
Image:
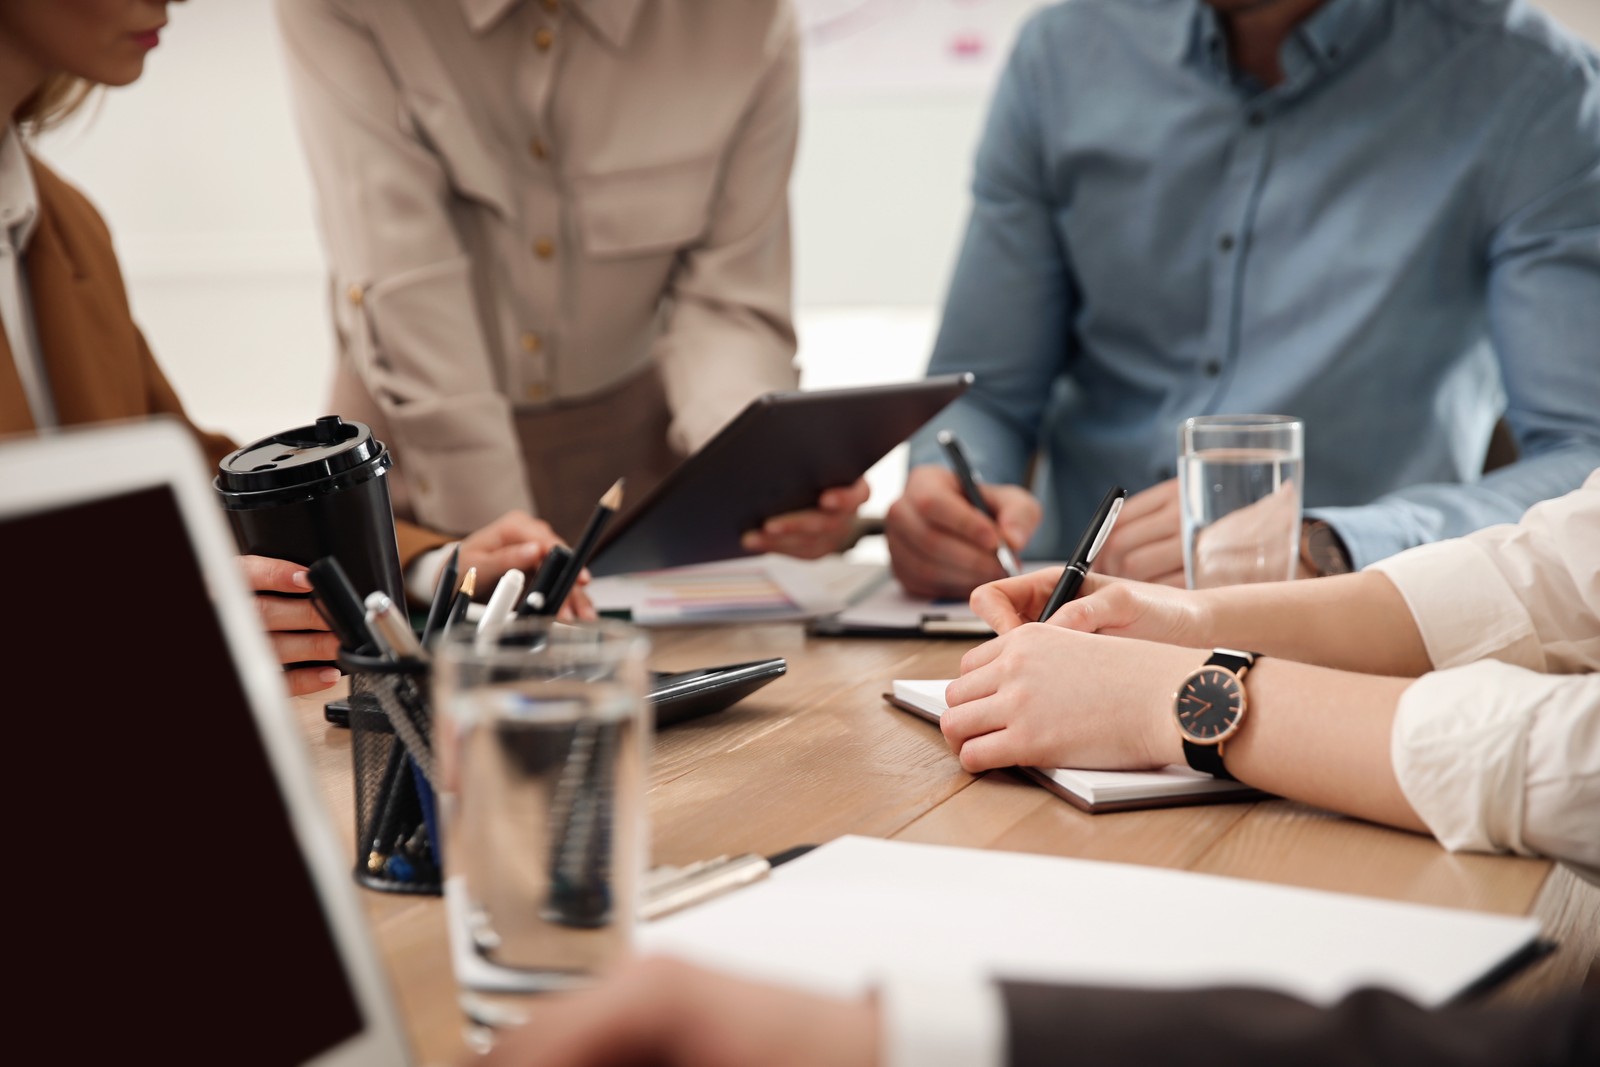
[818, 753]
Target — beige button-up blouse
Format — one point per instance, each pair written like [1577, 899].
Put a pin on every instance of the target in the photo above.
[526, 202]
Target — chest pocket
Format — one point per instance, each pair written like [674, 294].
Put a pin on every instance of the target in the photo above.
[644, 211]
[475, 169]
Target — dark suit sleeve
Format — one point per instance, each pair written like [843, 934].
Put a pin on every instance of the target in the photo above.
[1085, 1027]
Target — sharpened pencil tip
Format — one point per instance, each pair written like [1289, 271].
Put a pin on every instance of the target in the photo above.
[469, 584]
[613, 497]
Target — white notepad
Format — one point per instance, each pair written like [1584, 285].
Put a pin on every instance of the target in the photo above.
[857, 909]
[1093, 791]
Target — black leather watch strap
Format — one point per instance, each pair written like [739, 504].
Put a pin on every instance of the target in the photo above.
[1207, 759]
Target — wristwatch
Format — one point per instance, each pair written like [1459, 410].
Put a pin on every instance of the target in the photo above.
[1209, 706]
[1322, 550]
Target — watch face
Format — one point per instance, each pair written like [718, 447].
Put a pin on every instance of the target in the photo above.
[1210, 705]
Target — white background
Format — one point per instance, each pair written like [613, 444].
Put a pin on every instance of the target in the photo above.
[198, 170]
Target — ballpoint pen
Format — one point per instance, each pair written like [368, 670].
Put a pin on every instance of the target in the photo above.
[969, 485]
[1105, 517]
[544, 581]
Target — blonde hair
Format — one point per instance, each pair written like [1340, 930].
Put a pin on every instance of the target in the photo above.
[53, 102]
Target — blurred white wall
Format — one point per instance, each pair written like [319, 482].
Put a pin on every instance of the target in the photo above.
[198, 170]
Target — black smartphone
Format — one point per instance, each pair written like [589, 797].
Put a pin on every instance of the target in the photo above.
[681, 695]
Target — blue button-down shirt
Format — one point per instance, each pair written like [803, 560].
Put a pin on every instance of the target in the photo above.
[1396, 243]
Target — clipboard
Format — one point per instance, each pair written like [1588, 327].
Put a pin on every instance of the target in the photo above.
[777, 455]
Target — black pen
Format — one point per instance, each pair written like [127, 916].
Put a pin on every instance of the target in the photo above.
[969, 485]
[544, 581]
[442, 593]
[337, 601]
[1105, 517]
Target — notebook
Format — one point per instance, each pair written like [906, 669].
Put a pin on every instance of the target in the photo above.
[857, 908]
[181, 892]
[1092, 791]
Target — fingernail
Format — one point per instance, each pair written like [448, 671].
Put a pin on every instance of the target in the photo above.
[328, 675]
[750, 542]
[301, 579]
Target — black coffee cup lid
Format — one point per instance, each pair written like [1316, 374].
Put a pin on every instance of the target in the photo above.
[330, 453]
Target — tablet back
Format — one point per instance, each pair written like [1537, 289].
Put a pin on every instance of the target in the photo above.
[777, 455]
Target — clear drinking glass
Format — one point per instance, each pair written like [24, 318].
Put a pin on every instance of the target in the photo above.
[542, 739]
[1239, 483]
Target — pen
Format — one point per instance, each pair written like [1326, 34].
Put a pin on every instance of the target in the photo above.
[391, 626]
[439, 610]
[335, 598]
[501, 603]
[969, 485]
[544, 581]
[1105, 517]
[603, 511]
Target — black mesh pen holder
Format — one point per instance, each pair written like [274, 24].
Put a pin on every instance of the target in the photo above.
[392, 756]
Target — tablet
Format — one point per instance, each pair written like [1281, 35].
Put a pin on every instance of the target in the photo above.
[777, 455]
[682, 695]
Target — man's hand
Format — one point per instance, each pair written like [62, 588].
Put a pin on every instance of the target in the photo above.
[815, 532]
[297, 631]
[1147, 542]
[942, 546]
[520, 541]
[662, 1013]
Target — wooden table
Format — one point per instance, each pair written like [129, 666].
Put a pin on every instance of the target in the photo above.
[818, 753]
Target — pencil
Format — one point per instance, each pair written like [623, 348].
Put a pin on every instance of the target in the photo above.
[603, 513]
[458, 606]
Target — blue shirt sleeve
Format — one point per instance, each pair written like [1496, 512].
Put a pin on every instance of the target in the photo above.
[1543, 277]
[1011, 300]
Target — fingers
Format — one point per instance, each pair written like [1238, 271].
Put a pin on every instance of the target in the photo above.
[310, 680]
[1146, 543]
[1017, 512]
[846, 500]
[293, 647]
[265, 574]
[805, 534]
[1011, 602]
[289, 613]
[577, 607]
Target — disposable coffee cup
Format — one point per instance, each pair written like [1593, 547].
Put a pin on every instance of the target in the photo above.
[315, 491]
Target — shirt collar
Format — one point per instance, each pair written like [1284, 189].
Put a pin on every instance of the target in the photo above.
[612, 19]
[1335, 30]
[19, 198]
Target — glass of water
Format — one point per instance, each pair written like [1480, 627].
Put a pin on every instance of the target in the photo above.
[1239, 481]
[542, 737]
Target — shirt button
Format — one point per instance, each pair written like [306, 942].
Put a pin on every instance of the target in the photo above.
[538, 148]
[544, 248]
[1213, 368]
[537, 391]
[355, 294]
[532, 342]
[1226, 244]
[544, 39]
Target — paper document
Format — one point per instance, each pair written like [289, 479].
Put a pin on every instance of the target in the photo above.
[765, 588]
[1092, 791]
[856, 909]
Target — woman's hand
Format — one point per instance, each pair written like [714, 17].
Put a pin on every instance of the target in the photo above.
[1103, 606]
[297, 631]
[1044, 696]
[815, 532]
[517, 540]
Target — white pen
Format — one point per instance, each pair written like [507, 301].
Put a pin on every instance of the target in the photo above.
[502, 602]
[384, 616]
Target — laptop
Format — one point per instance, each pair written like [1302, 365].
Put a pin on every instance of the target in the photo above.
[177, 889]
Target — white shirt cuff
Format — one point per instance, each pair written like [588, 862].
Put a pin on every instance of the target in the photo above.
[423, 574]
[1463, 605]
[927, 1023]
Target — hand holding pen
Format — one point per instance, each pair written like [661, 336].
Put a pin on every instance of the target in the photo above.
[968, 478]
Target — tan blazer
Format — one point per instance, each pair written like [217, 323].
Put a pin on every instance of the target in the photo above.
[528, 204]
[100, 368]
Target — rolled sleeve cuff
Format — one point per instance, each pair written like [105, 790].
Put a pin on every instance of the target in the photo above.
[1463, 606]
[941, 1024]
